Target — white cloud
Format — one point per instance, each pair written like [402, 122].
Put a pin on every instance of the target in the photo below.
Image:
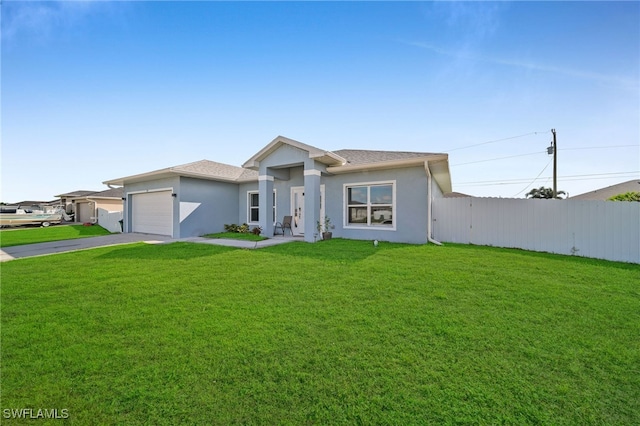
[465, 54]
[39, 20]
[468, 20]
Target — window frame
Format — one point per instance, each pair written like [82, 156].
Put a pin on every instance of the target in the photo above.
[368, 225]
[250, 207]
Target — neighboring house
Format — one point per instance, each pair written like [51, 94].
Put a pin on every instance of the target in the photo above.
[604, 194]
[85, 204]
[384, 195]
[67, 198]
[35, 204]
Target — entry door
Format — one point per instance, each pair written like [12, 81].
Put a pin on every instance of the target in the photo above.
[297, 210]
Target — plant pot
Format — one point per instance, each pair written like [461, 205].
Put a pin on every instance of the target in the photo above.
[327, 235]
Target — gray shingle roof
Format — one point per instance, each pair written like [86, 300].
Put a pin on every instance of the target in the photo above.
[214, 169]
[361, 156]
[109, 193]
[78, 193]
[610, 191]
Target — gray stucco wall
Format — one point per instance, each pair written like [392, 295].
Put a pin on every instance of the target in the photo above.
[284, 156]
[437, 192]
[200, 207]
[205, 206]
[410, 213]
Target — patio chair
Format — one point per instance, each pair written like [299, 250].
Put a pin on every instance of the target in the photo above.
[285, 224]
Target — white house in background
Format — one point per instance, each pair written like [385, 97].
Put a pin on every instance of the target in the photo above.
[85, 204]
[382, 195]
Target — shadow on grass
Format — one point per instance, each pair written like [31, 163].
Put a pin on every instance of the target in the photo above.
[89, 231]
[334, 250]
[580, 260]
[171, 251]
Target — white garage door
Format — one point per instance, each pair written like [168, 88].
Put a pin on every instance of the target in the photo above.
[153, 213]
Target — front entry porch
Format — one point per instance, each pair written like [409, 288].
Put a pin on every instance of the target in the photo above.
[298, 210]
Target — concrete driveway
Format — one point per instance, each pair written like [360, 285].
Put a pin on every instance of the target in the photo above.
[41, 249]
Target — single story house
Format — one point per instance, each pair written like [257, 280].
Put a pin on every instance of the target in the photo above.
[383, 195]
[85, 204]
[603, 194]
[66, 199]
[33, 205]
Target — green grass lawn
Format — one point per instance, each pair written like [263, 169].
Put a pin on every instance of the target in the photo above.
[237, 236]
[337, 332]
[20, 236]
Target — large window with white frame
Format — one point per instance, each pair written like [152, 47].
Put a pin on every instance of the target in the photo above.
[370, 205]
[253, 206]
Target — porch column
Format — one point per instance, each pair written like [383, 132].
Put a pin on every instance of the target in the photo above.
[311, 204]
[265, 200]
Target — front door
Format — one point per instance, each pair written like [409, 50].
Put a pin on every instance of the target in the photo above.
[297, 210]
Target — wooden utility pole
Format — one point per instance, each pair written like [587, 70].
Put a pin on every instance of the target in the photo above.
[555, 165]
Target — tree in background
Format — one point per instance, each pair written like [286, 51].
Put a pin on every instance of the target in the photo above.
[543, 192]
[627, 196]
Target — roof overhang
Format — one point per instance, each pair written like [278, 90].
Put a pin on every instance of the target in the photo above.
[170, 172]
[88, 197]
[439, 169]
[327, 158]
[438, 165]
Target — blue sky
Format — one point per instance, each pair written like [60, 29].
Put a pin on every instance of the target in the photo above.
[93, 91]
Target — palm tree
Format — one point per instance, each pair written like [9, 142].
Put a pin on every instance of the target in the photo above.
[543, 192]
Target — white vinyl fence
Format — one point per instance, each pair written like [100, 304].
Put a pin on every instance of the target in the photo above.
[109, 220]
[598, 229]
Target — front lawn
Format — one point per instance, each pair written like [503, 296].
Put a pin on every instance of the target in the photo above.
[246, 236]
[338, 332]
[21, 236]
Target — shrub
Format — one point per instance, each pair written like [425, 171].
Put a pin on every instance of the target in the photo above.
[240, 229]
[231, 228]
[627, 196]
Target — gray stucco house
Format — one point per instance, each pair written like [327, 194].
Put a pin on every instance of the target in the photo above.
[384, 195]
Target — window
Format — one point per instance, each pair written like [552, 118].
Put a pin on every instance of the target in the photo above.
[253, 203]
[254, 207]
[370, 205]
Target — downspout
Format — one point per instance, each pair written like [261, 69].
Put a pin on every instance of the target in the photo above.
[95, 210]
[429, 212]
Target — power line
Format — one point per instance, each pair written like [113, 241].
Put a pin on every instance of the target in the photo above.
[499, 158]
[536, 178]
[598, 147]
[497, 140]
[543, 152]
[565, 178]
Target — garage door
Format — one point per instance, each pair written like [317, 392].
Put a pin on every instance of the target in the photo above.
[153, 213]
[84, 212]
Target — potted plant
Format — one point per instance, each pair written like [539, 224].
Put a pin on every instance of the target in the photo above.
[324, 228]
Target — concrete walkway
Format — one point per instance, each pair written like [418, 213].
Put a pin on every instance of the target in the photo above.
[42, 249]
[242, 243]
